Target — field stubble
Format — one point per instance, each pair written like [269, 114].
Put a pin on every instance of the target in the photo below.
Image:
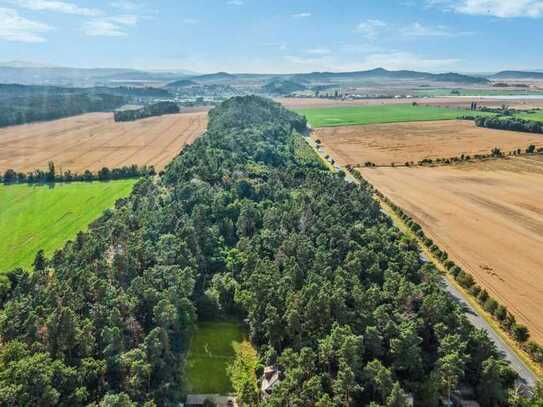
[93, 141]
[488, 217]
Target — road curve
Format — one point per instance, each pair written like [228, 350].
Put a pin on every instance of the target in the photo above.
[527, 378]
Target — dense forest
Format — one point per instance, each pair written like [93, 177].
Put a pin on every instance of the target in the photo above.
[21, 104]
[22, 109]
[510, 123]
[243, 223]
[155, 109]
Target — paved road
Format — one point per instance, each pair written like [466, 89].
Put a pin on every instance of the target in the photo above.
[527, 377]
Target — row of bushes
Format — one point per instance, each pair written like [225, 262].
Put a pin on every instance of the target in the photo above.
[513, 124]
[520, 333]
[494, 153]
[46, 177]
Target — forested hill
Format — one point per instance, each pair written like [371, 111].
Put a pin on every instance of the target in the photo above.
[245, 222]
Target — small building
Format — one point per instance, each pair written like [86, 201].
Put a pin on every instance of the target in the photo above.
[270, 379]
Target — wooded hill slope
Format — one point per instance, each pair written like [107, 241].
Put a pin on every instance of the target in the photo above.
[245, 222]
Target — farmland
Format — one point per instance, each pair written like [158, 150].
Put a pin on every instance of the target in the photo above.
[40, 217]
[348, 116]
[384, 144]
[94, 141]
[212, 350]
[488, 217]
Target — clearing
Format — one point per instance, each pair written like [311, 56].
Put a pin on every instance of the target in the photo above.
[93, 141]
[389, 113]
[43, 217]
[212, 351]
[488, 217]
[384, 144]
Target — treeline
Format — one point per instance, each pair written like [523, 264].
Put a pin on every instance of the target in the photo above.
[510, 123]
[242, 224]
[155, 109]
[507, 321]
[40, 107]
[11, 176]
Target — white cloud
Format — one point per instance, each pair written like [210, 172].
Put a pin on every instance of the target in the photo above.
[235, 2]
[20, 29]
[371, 27]
[57, 7]
[419, 30]
[318, 51]
[301, 15]
[494, 8]
[114, 26]
[126, 5]
[191, 21]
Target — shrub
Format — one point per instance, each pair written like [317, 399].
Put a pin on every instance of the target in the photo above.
[491, 305]
[520, 333]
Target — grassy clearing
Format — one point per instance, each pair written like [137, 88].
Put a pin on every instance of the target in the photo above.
[42, 217]
[531, 116]
[213, 350]
[348, 116]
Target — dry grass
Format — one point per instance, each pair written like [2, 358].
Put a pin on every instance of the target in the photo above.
[93, 141]
[488, 217]
[383, 144]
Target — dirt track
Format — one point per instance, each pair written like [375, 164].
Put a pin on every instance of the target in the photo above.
[488, 217]
[383, 144]
[93, 141]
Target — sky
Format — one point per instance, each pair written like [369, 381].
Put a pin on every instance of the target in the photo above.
[275, 36]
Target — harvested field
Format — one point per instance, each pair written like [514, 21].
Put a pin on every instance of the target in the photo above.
[459, 102]
[488, 217]
[383, 144]
[93, 141]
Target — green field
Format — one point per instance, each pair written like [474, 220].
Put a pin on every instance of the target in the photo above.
[43, 217]
[531, 116]
[212, 351]
[348, 116]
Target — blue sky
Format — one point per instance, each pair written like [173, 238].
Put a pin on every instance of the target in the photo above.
[275, 36]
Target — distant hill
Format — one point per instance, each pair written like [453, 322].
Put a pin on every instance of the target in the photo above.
[183, 83]
[16, 90]
[282, 87]
[517, 75]
[219, 76]
[17, 72]
[381, 73]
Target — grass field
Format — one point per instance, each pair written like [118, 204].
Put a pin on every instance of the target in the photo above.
[213, 349]
[348, 116]
[531, 116]
[39, 217]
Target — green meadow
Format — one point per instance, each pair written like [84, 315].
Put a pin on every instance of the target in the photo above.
[372, 114]
[531, 116]
[34, 217]
[212, 351]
